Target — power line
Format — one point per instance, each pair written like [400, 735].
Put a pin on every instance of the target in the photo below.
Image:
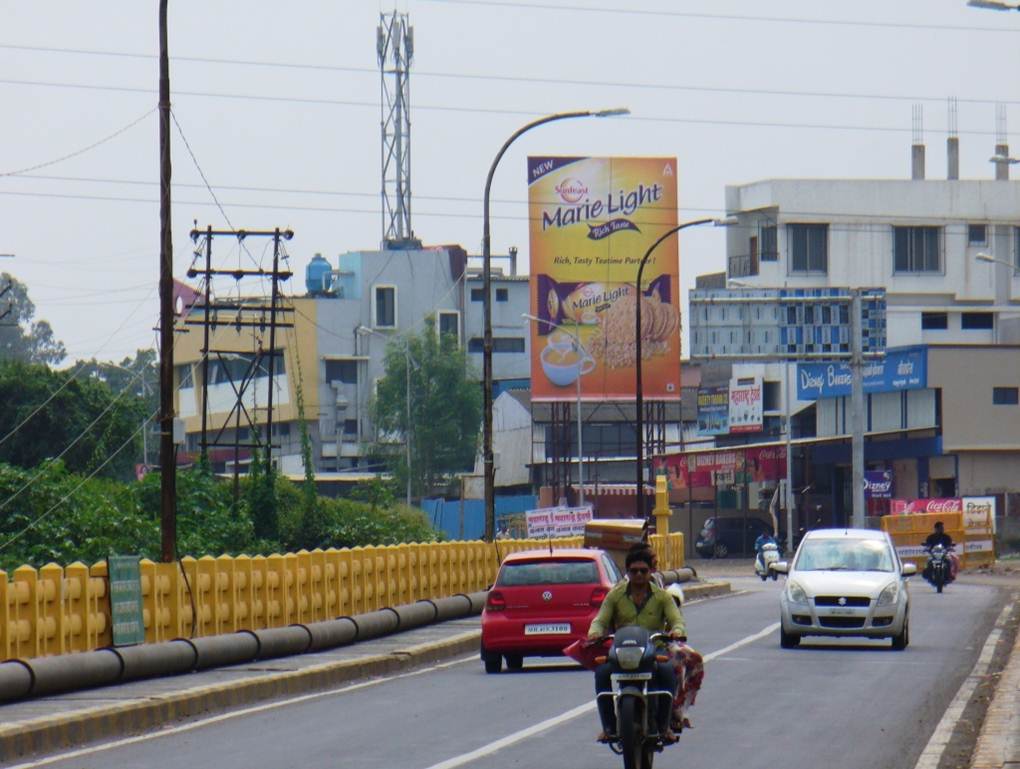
[81, 151]
[480, 110]
[517, 5]
[530, 80]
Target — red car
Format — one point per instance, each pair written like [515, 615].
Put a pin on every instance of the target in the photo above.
[542, 601]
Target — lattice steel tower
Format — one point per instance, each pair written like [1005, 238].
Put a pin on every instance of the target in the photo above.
[395, 47]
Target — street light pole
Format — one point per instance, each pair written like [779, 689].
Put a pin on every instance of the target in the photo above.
[857, 406]
[580, 443]
[487, 456]
[638, 394]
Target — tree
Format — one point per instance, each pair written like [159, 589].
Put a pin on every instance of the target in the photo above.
[445, 405]
[47, 414]
[23, 340]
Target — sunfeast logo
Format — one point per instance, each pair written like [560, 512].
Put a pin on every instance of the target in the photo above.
[620, 203]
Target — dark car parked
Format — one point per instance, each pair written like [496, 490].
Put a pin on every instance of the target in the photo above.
[734, 535]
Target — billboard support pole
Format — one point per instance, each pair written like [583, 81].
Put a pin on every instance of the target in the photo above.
[639, 427]
[857, 405]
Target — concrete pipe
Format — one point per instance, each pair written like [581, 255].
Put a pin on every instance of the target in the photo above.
[282, 641]
[66, 672]
[217, 650]
[477, 600]
[375, 624]
[414, 615]
[453, 607]
[331, 633]
[160, 659]
[15, 680]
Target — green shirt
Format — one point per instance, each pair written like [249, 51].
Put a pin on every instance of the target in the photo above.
[618, 610]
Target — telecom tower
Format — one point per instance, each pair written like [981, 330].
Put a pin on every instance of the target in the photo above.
[395, 47]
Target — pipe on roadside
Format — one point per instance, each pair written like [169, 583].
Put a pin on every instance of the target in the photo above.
[452, 607]
[375, 624]
[331, 633]
[686, 574]
[159, 659]
[217, 650]
[477, 600]
[282, 641]
[415, 614]
[15, 680]
[65, 672]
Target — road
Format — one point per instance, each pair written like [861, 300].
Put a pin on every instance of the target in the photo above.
[837, 704]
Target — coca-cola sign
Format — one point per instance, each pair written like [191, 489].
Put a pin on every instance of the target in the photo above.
[934, 505]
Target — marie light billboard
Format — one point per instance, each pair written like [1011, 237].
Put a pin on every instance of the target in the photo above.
[591, 220]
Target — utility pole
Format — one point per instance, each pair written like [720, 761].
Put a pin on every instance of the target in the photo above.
[857, 406]
[167, 461]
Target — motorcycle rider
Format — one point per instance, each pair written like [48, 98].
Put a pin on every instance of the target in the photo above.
[637, 601]
[939, 537]
[759, 547]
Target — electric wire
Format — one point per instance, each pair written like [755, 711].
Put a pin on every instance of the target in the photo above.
[82, 150]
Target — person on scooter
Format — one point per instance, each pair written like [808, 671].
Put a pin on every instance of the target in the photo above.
[759, 546]
[637, 601]
[939, 537]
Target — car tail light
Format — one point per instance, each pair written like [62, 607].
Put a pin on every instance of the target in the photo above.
[495, 601]
[598, 595]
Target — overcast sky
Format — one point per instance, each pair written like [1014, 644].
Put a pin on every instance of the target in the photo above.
[280, 106]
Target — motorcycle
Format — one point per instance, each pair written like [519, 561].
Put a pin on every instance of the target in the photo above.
[938, 570]
[764, 560]
[633, 655]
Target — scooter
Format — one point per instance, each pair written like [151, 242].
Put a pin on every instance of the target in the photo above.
[764, 560]
[633, 655]
[938, 570]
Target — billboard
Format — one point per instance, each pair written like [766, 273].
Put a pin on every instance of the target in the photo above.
[901, 369]
[746, 406]
[591, 220]
[714, 410]
[714, 468]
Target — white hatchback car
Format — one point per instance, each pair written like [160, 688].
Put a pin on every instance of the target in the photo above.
[845, 582]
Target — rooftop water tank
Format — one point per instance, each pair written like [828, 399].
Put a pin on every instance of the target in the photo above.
[318, 278]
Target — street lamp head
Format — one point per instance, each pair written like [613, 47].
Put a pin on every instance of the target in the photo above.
[1003, 159]
[995, 5]
[985, 258]
[728, 221]
[614, 112]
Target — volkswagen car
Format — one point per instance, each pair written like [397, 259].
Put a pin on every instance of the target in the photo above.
[541, 602]
[845, 582]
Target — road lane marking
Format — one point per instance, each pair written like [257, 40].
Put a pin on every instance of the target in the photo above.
[235, 714]
[932, 753]
[549, 723]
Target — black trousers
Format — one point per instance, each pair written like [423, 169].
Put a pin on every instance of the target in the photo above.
[663, 679]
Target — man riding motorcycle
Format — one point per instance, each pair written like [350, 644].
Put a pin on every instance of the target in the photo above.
[939, 537]
[638, 601]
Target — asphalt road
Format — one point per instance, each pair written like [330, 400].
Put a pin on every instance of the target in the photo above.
[837, 704]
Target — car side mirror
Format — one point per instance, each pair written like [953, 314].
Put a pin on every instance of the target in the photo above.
[909, 570]
[781, 566]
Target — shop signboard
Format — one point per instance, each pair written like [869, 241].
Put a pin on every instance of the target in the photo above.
[933, 505]
[548, 522]
[878, 484]
[591, 221]
[706, 469]
[901, 369]
[746, 407]
[714, 410]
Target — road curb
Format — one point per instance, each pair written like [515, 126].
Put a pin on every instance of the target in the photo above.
[705, 590]
[51, 733]
[998, 742]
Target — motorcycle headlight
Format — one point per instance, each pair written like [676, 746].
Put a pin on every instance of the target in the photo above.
[630, 657]
[889, 594]
[796, 593]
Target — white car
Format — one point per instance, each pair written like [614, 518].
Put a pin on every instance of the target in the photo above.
[845, 582]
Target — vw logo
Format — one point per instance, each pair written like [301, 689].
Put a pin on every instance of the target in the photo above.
[841, 602]
[547, 595]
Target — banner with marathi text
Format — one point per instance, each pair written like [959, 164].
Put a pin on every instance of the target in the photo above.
[591, 220]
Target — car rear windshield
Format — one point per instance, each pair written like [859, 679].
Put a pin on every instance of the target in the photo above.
[844, 555]
[547, 572]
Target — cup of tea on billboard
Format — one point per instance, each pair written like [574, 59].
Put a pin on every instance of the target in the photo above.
[564, 363]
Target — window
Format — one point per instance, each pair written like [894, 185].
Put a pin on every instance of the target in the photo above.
[345, 371]
[449, 323]
[239, 367]
[477, 295]
[934, 321]
[384, 312]
[1005, 396]
[184, 376]
[977, 320]
[917, 249]
[771, 394]
[977, 234]
[809, 247]
[350, 427]
[1016, 248]
[769, 243]
[502, 295]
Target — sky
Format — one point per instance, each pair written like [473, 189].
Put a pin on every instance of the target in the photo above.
[277, 122]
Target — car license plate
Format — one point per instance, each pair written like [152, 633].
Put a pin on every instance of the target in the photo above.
[548, 628]
[843, 612]
[631, 676]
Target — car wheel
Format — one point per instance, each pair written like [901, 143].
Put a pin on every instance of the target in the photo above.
[788, 640]
[720, 550]
[493, 661]
[901, 641]
[514, 661]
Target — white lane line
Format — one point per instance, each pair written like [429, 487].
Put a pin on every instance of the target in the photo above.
[932, 753]
[235, 714]
[549, 723]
